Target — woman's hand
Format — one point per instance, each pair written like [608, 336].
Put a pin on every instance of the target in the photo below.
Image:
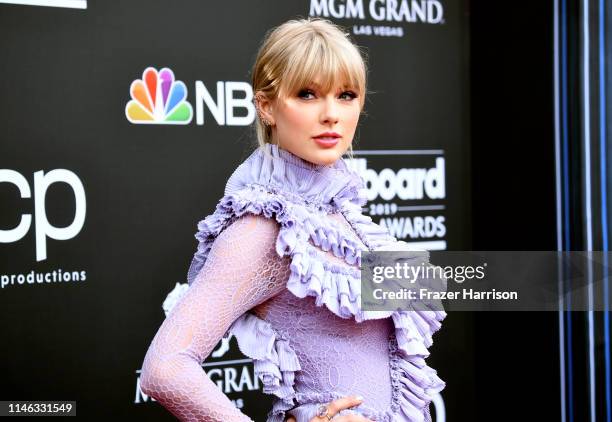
[334, 407]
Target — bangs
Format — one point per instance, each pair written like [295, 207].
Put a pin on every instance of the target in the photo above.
[322, 59]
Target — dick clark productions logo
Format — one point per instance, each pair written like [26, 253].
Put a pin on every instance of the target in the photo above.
[158, 98]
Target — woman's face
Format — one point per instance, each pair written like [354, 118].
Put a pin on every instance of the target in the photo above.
[314, 125]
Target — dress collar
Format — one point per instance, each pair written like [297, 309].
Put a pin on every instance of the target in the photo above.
[280, 170]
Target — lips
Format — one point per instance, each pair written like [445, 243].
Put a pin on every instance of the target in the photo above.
[326, 142]
[327, 139]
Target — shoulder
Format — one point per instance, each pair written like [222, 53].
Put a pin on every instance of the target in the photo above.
[249, 234]
[249, 225]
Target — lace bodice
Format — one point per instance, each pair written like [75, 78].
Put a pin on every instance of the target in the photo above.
[278, 267]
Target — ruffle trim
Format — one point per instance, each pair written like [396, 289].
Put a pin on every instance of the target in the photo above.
[414, 385]
[374, 236]
[414, 330]
[332, 285]
[313, 184]
[251, 200]
[335, 286]
[415, 327]
[274, 361]
[297, 226]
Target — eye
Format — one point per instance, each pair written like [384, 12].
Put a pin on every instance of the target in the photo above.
[305, 92]
[346, 95]
[351, 95]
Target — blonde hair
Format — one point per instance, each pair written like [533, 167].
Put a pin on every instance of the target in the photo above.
[293, 54]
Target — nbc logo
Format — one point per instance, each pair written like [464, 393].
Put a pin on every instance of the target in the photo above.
[158, 98]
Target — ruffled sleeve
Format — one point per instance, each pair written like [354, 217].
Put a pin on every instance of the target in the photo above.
[275, 362]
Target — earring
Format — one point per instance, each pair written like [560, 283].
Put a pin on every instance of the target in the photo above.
[260, 114]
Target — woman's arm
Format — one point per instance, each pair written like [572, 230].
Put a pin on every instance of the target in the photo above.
[242, 271]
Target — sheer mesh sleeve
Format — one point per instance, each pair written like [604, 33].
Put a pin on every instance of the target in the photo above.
[242, 271]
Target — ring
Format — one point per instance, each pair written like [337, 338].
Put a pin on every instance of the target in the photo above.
[322, 412]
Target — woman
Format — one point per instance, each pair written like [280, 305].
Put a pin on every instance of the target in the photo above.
[278, 261]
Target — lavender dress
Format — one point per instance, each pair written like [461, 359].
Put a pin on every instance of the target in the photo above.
[278, 266]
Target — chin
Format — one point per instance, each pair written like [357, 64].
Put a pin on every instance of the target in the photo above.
[325, 158]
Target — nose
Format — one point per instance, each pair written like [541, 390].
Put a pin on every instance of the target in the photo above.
[330, 112]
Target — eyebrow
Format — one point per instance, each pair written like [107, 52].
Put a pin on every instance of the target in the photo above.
[319, 86]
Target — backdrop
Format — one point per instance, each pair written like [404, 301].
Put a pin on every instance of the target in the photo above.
[121, 122]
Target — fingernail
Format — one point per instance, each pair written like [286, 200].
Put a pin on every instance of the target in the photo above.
[360, 398]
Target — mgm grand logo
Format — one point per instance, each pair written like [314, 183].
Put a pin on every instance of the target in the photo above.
[424, 11]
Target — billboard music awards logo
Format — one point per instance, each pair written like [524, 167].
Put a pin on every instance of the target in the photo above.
[408, 201]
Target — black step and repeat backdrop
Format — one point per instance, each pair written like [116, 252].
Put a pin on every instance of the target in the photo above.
[120, 123]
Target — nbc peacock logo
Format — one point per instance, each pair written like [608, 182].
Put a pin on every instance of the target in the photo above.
[158, 98]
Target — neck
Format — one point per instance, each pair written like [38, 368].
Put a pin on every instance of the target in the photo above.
[280, 169]
[296, 159]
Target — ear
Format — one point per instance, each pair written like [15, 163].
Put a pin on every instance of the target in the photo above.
[265, 107]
